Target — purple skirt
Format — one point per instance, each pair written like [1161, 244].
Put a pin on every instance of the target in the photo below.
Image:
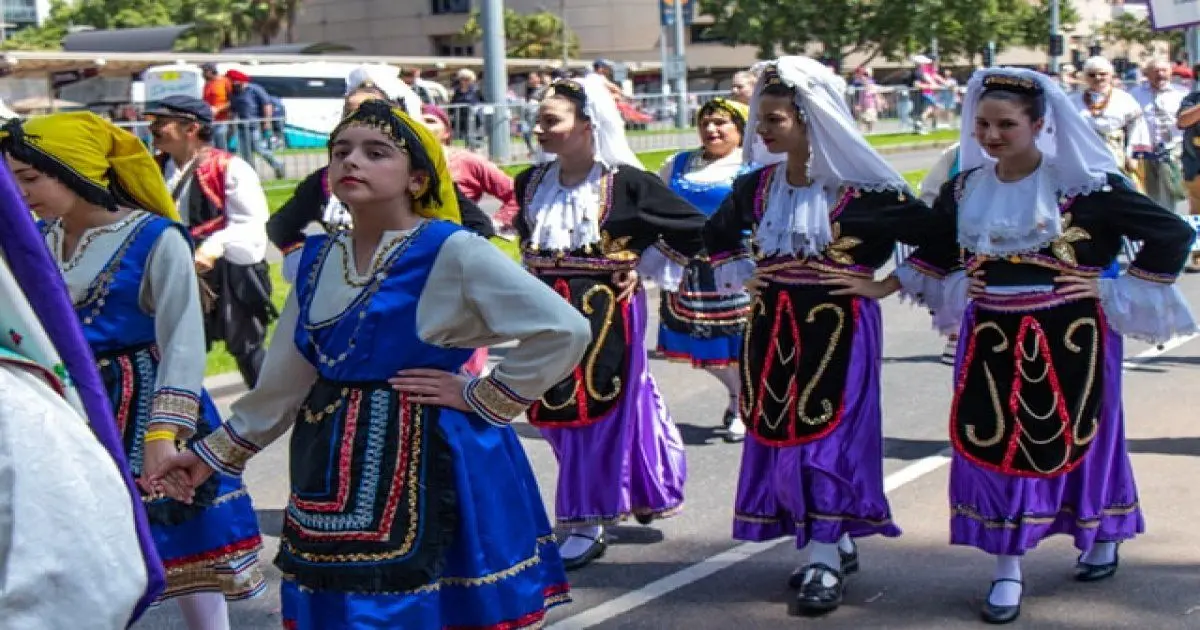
[831, 486]
[629, 462]
[1095, 502]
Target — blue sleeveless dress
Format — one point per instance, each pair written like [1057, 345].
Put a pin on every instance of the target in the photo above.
[400, 515]
[697, 324]
[211, 545]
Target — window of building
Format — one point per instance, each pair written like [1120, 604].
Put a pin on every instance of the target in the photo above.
[20, 12]
[443, 7]
[452, 46]
[703, 34]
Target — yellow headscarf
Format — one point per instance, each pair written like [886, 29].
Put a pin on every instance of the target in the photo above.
[99, 161]
[737, 111]
[437, 200]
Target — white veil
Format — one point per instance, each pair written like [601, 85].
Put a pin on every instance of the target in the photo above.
[386, 78]
[1074, 162]
[839, 152]
[608, 127]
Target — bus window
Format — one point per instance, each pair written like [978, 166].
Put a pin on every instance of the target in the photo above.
[303, 87]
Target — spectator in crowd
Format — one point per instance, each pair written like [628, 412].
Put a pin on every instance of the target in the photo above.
[741, 86]
[465, 100]
[218, 93]
[430, 92]
[251, 105]
[221, 202]
[1189, 121]
[867, 100]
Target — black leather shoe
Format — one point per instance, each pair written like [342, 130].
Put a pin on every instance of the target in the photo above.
[643, 519]
[849, 565]
[1085, 572]
[993, 614]
[594, 552]
[814, 597]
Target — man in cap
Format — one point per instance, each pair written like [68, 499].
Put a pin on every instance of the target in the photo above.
[1114, 114]
[221, 201]
[252, 105]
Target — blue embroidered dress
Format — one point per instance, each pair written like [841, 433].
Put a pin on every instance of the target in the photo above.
[403, 515]
[135, 292]
[698, 324]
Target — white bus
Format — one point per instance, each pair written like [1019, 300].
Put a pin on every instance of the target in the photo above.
[311, 93]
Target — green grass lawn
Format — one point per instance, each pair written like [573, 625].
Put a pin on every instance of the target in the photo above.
[220, 361]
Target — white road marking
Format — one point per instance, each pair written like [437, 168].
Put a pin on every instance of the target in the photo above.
[714, 564]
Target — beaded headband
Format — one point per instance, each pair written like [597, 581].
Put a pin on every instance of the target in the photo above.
[1010, 83]
[569, 89]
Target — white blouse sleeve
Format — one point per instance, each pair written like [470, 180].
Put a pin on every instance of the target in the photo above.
[266, 412]
[170, 292]
[243, 240]
[475, 296]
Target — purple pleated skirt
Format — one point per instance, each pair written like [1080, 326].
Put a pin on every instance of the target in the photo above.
[629, 462]
[831, 486]
[1095, 502]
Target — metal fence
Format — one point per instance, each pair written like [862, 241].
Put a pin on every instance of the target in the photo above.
[283, 154]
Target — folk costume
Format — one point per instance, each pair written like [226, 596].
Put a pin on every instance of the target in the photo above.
[69, 510]
[402, 515]
[811, 361]
[1036, 422]
[134, 289]
[619, 452]
[696, 323]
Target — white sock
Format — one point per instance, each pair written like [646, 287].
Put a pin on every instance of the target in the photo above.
[729, 377]
[204, 611]
[824, 553]
[575, 546]
[1006, 593]
[1100, 553]
[846, 544]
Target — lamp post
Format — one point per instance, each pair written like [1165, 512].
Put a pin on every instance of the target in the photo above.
[495, 74]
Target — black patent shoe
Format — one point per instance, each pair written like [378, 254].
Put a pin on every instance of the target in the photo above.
[644, 518]
[814, 597]
[594, 552]
[1085, 572]
[849, 565]
[997, 615]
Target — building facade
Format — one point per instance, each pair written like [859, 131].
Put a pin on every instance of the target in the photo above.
[621, 30]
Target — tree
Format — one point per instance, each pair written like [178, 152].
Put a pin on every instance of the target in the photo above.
[528, 36]
[841, 27]
[963, 28]
[1127, 30]
[217, 23]
[1035, 23]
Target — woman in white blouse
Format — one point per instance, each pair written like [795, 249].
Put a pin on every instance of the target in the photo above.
[412, 503]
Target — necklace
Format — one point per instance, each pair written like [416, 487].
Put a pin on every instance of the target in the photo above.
[348, 264]
[361, 303]
[89, 235]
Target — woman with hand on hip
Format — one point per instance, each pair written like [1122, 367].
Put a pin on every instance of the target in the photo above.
[1034, 219]
[412, 502]
[586, 218]
[822, 222]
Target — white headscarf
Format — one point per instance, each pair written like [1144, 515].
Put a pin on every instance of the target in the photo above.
[796, 220]
[1074, 162]
[386, 78]
[840, 153]
[608, 127]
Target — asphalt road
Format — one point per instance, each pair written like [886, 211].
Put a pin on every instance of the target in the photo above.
[686, 572]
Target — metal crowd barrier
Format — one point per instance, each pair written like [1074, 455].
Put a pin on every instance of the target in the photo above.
[649, 122]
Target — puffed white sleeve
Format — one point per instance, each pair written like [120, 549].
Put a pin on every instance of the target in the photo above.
[476, 296]
[243, 240]
[266, 412]
[170, 292]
